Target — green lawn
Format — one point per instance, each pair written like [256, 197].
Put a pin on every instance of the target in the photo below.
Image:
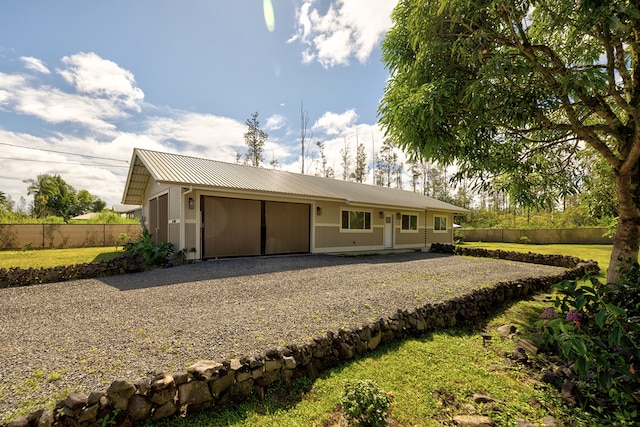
[37, 258]
[431, 377]
[598, 253]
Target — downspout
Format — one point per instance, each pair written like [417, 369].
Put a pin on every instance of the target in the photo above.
[183, 216]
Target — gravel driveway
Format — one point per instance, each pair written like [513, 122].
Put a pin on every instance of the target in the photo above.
[82, 335]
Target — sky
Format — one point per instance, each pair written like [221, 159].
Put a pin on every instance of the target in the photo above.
[83, 83]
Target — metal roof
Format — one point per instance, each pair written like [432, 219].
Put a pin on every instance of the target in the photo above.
[175, 169]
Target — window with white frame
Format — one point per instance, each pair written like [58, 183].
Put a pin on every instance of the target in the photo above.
[439, 223]
[409, 222]
[356, 220]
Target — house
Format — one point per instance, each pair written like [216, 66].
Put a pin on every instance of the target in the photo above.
[128, 211]
[214, 209]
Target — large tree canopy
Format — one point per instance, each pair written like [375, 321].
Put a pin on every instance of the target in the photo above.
[52, 195]
[519, 88]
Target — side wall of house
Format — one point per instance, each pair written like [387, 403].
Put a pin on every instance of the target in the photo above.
[439, 236]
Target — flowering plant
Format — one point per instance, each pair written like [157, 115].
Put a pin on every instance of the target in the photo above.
[597, 326]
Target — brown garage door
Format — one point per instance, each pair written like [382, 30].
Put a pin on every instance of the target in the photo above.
[231, 227]
[287, 228]
[237, 227]
[159, 218]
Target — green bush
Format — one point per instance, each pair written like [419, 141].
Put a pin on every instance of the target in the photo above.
[154, 254]
[597, 326]
[365, 404]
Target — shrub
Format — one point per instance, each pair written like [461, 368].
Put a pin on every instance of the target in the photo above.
[365, 404]
[154, 254]
[597, 326]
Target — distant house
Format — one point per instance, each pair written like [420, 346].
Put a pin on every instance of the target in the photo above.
[213, 209]
[128, 211]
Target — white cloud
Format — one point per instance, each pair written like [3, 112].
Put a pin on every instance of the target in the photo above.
[35, 64]
[333, 123]
[348, 28]
[275, 122]
[105, 91]
[205, 135]
[92, 75]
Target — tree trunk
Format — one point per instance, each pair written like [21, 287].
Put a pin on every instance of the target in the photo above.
[627, 238]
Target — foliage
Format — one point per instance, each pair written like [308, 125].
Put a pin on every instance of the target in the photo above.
[362, 168]
[53, 196]
[516, 89]
[598, 329]
[365, 404]
[6, 204]
[255, 138]
[572, 217]
[107, 217]
[154, 254]
[109, 419]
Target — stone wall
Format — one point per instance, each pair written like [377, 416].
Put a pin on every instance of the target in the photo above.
[17, 276]
[210, 384]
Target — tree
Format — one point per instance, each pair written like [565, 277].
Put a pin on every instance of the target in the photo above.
[6, 203]
[52, 195]
[325, 171]
[255, 138]
[362, 169]
[42, 188]
[386, 164]
[519, 88]
[304, 149]
[345, 157]
[598, 189]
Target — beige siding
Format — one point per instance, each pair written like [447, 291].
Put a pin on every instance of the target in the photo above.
[439, 236]
[331, 237]
[407, 238]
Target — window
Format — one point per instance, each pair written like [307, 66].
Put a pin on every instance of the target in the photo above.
[409, 223]
[440, 223]
[356, 220]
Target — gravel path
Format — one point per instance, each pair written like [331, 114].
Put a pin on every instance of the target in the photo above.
[82, 335]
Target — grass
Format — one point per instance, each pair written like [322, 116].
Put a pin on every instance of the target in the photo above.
[598, 253]
[37, 258]
[432, 377]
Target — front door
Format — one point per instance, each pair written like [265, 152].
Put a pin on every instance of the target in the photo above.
[388, 231]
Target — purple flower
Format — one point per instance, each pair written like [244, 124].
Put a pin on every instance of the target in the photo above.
[574, 316]
[548, 313]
